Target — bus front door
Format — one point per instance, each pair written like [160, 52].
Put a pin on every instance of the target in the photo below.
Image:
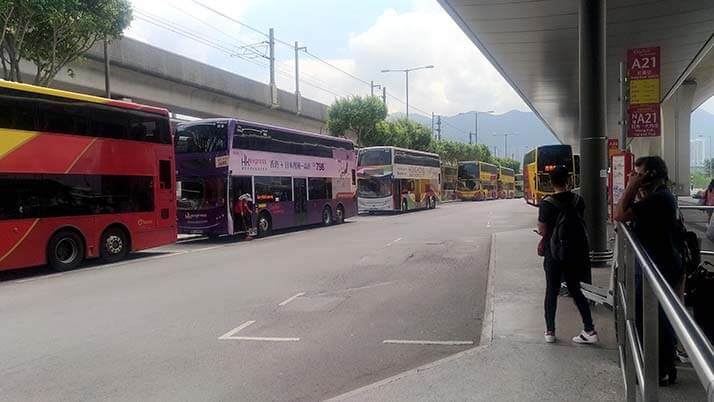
[300, 200]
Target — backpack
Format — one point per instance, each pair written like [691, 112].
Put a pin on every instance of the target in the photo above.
[687, 244]
[568, 239]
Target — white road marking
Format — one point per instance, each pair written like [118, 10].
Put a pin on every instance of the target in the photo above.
[291, 298]
[262, 339]
[397, 240]
[205, 249]
[230, 335]
[235, 330]
[416, 342]
[39, 277]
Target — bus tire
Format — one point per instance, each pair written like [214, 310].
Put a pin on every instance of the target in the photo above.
[114, 245]
[265, 224]
[405, 205]
[433, 202]
[340, 215]
[326, 216]
[65, 251]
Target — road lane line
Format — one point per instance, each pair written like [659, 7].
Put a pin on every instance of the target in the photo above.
[397, 240]
[291, 298]
[235, 330]
[39, 277]
[262, 339]
[417, 342]
[205, 248]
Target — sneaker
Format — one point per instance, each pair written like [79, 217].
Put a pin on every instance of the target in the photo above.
[682, 356]
[549, 337]
[586, 337]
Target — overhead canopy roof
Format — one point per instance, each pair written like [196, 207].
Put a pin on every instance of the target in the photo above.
[534, 44]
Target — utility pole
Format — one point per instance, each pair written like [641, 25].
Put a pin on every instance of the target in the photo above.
[476, 123]
[298, 98]
[505, 142]
[273, 86]
[107, 84]
[438, 127]
[384, 96]
[432, 125]
[372, 86]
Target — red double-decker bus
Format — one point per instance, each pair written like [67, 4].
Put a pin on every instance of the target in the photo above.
[81, 177]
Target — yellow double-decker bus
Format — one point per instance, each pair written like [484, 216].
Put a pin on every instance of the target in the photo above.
[506, 183]
[519, 186]
[477, 181]
[537, 165]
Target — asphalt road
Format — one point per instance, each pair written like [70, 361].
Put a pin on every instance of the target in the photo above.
[297, 316]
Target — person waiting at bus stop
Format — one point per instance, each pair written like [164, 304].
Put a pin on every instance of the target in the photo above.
[565, 249]
[652, 209]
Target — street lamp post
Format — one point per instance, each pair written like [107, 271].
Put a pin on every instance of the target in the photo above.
[505, 142]
[711, 171]
[476, 125]
[406, 75]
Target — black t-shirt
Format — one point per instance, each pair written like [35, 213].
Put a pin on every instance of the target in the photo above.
[548, 213]
[655, 225]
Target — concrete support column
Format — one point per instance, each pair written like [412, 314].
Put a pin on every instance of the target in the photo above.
[676, 125]
[593, 122]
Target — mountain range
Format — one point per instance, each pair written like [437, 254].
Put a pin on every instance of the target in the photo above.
[526, 128]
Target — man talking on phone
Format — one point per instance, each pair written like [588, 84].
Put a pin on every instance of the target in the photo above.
[652, 209]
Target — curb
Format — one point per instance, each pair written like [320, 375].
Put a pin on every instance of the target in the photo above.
[484, 341]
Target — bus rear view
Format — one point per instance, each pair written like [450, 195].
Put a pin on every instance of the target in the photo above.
[537, 165]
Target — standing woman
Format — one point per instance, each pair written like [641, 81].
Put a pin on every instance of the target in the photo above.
[654, 221]
[709, 198]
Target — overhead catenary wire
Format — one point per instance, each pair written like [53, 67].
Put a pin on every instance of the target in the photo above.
[167, 25]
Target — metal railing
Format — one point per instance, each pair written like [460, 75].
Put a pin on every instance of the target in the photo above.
[639, 358]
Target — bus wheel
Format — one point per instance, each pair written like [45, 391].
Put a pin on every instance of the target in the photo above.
[405, 206]
[114, 245]
[265, 225]
[433, 202]
[340, 215]
[65, 251]
[326, 216]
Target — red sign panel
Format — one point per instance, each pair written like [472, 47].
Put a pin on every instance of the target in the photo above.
[645, 120]
[643, 63]
[613, 143]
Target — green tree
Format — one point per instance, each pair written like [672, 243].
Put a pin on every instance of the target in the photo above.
[360, 115]
[408, 134]
[509, 163]
[54, 33]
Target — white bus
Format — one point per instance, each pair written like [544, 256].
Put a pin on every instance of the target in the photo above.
[397, 179]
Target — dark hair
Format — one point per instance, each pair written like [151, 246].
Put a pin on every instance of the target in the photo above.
[655, 165]
[711, 185]
[559, 176]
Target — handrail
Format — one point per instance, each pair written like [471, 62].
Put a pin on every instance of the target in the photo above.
[696, 344]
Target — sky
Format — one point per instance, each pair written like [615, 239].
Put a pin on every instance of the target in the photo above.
[357, 39]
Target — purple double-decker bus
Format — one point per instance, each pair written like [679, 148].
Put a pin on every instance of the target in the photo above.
[294, 178]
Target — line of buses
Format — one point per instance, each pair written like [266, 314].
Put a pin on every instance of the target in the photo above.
[88, 177]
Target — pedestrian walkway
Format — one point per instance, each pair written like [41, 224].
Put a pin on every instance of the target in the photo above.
[513, 362]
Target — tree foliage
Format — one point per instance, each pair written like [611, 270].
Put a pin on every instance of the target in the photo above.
[366, 117]
[360, 115]
[509, 163]
[54, 33]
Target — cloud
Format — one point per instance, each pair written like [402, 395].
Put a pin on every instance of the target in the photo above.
[463, 79]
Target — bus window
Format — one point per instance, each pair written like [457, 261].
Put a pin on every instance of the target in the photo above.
[375, 187]
[209, 137]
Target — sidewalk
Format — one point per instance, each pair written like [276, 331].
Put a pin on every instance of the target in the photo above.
[512, 361]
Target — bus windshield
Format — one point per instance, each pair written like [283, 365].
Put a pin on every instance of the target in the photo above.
[375, 157]
[468, 171]
[374, 187]
[200, 193]
[204, 137]
[554, 155]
